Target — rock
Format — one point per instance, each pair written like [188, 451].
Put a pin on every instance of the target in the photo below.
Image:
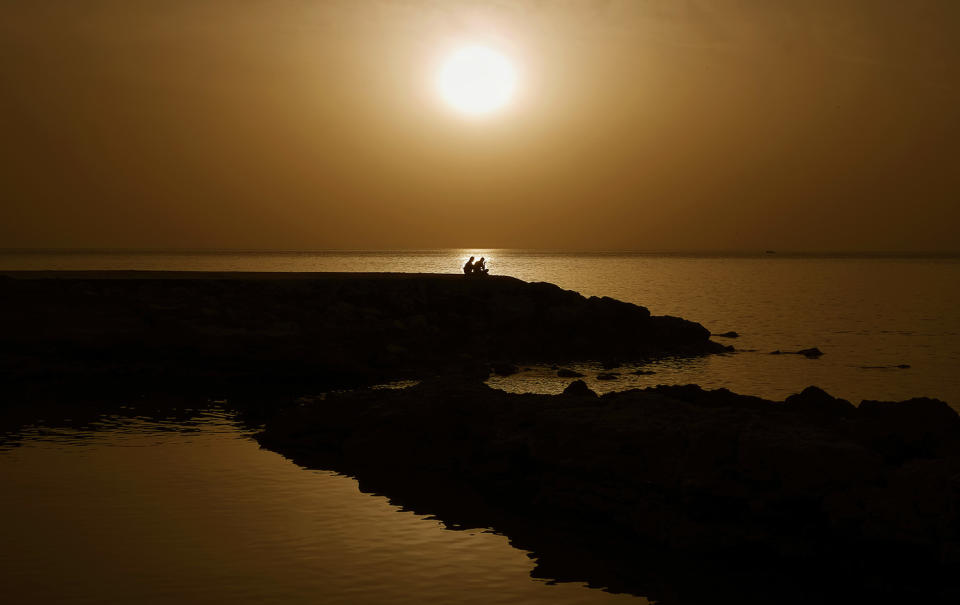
[809, 486]
[504, 369]
[320, 330]
[730, 334]
[568, 373]
[904, 430]
[579, 388]
[643, 372]
[818, 403]
[608, 376]
[811, 353]
[904, 366]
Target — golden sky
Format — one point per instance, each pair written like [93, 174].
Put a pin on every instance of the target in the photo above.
[637, 125]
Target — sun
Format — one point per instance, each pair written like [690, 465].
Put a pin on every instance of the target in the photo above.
[476, 80]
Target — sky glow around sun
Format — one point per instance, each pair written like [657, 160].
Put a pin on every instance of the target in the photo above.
[476, 80]
[343, 124]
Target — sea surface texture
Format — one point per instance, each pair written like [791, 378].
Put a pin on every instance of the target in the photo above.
[135, 507]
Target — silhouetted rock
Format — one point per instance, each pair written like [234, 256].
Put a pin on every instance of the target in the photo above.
[304, 331]
[917, 428]
[578, 388]
[730, 334]
[812, 483]
[608, 376]
[817, 403]
[568, 373]
[811, 353]
[504, 369]
[643, 372]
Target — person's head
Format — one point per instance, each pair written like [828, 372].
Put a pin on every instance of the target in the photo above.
[481, 259]
[471, 259]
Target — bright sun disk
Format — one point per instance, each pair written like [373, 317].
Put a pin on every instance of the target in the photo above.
[476, 80]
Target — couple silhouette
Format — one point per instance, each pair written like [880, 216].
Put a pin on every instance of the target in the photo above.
[476, 268]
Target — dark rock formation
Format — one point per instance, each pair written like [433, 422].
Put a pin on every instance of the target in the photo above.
[579, 388]
[245, 330]
[918, 428]
[814, 486]
[504, 369]
[730, 334]
[816, 403]
[811, 353]
[608, 376]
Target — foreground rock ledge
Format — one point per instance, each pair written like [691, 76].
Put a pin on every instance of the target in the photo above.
[294, 329]
[814, 480]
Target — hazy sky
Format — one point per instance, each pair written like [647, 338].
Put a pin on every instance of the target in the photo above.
[638, 124]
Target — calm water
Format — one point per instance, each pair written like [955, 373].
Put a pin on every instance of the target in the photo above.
[135, 510]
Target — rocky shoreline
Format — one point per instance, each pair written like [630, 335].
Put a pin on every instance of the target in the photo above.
[735, 490]
[233, 332]
[856, 496]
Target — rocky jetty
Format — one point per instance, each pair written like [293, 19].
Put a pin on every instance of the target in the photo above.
[291, 330]
[864, 495]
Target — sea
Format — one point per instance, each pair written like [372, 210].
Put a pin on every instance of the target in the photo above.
[133, 507]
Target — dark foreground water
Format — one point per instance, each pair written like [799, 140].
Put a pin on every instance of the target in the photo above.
[141, 510]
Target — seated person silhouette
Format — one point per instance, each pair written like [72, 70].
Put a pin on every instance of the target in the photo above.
[469, 267]
[481, 267]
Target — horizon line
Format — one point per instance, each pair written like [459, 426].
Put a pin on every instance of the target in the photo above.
[557, 251]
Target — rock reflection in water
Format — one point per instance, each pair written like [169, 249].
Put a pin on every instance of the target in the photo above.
[158, 506]
[546, 379]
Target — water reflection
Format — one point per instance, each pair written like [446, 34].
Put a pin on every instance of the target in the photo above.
[601, 377]
[150, 507]
[588, 550]
[146, 504]
[76, 422]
